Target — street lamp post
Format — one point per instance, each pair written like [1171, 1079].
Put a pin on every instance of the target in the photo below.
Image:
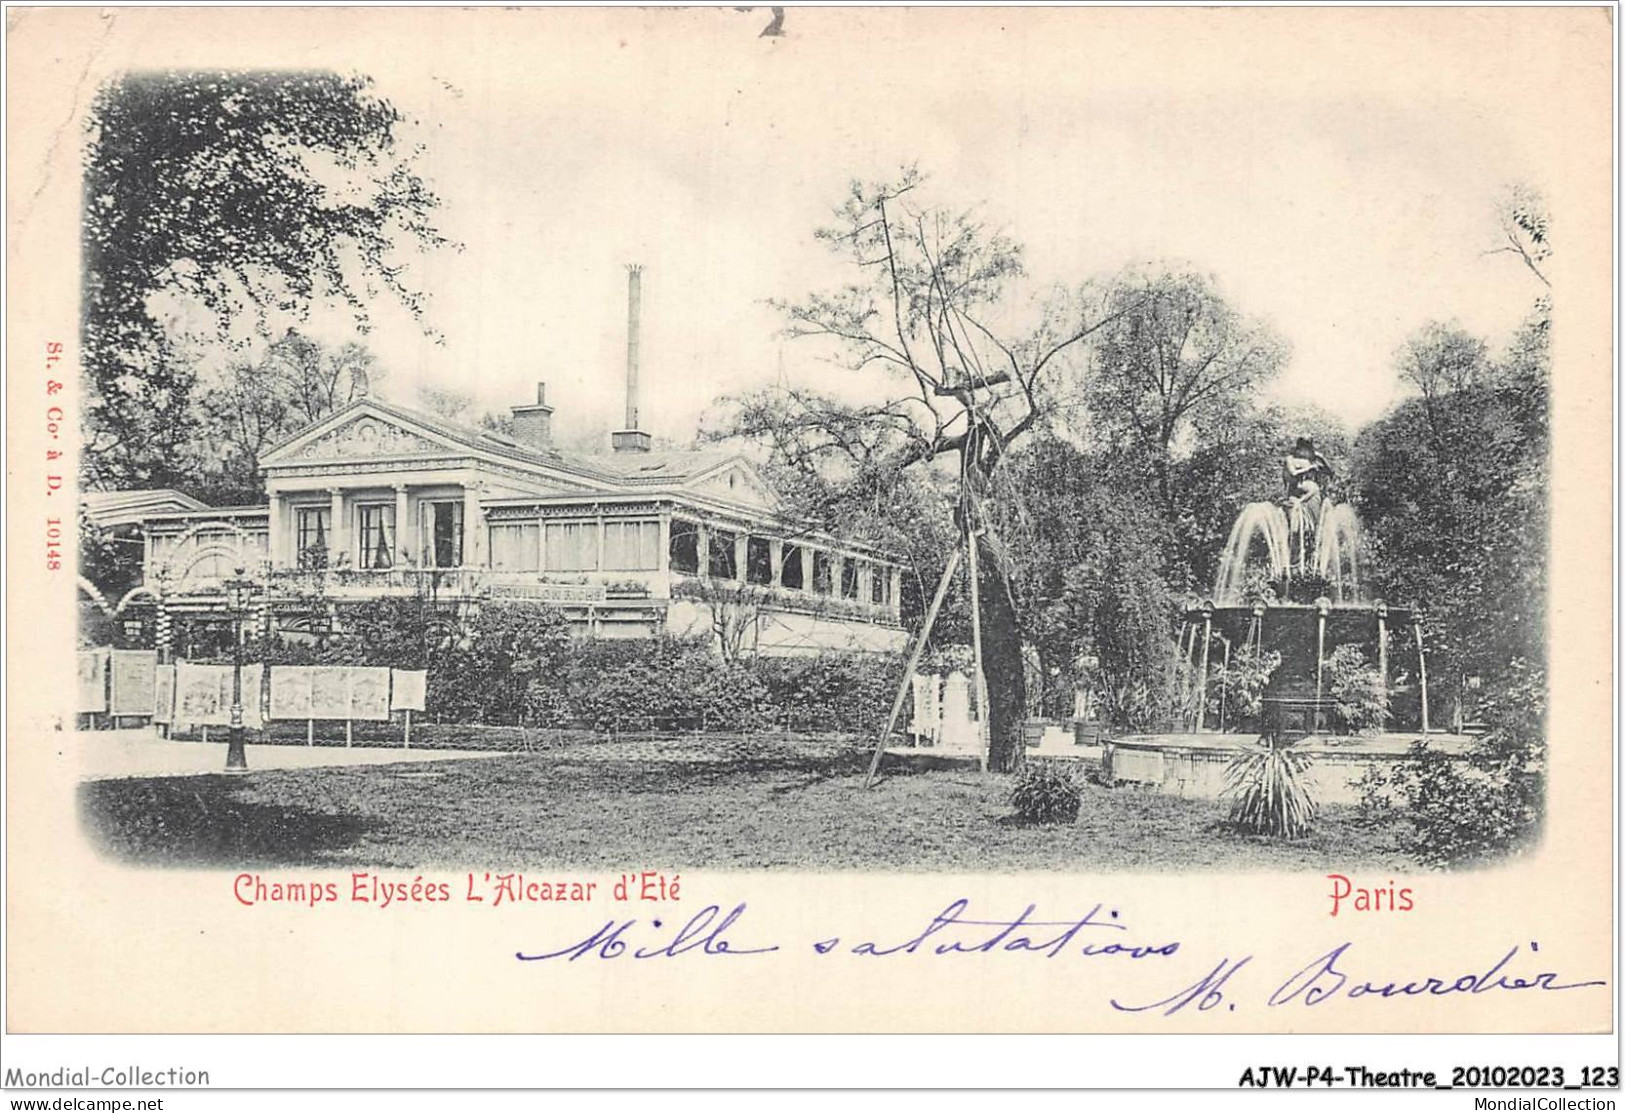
[237, 590]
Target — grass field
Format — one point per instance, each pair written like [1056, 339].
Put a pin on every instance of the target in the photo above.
[685, 804]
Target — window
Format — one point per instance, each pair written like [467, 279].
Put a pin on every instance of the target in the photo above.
[790, 574]
[880, 585]
[312, 526]
[572, 546]
[759, 561]
[631, 546]
[376, 534]
[822, 584]
[724, 565]
[849, 578]
[443, 534]
[514, 547]
[684, 548]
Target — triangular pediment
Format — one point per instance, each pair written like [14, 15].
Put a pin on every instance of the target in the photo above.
[361, 433]
[739, 482]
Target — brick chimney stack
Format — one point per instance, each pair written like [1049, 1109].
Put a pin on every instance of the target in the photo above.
[632, 439]
[533, 425]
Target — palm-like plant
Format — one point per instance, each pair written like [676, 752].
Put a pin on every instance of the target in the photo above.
[1271, 790]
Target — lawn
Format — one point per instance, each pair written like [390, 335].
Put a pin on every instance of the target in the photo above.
[680, 804]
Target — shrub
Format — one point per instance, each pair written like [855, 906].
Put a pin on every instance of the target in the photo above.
[846, 693]
[734, 697]
[1240, 685]
[636, 684]
[486, 675]
[1453, 812]
[1044, 793]
[1270, 791]
[1359, 697]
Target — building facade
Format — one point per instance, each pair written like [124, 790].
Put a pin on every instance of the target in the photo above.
[381, 500]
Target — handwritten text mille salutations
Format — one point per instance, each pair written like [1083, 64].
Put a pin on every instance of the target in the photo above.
[490, 888]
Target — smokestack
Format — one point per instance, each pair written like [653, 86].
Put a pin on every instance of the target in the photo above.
[634, 309]
[533, 425]
[632, 439]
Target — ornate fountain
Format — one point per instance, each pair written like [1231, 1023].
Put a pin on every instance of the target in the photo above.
[1288, 582]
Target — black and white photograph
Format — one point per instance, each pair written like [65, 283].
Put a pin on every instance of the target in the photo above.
[808, 476]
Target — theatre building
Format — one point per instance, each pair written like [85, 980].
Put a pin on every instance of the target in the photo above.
[377, 499]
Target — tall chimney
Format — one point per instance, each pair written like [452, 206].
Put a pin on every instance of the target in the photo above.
[632, 439]
[533, 425]
[634, 309]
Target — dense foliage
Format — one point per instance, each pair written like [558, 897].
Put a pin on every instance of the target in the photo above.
[1271, 791]
[1453, 494]
[1237, 686]
[1045, 792]
[1447, 812]
[1352, 683]
[518, 664]
[243, 195]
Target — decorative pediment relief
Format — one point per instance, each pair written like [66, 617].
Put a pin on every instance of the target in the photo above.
[367, 437]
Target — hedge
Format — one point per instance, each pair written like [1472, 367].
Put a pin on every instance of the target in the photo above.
[512, 664]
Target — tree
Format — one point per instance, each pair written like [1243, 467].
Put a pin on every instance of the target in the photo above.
[458, 405]
[1092, 580]
[930, 314]
[1525, 225]
[1174, 358]
[1440, 359]
[1453, 494]
[255, 404]
[246, 194]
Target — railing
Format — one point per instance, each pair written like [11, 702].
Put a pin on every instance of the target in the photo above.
[342, 582]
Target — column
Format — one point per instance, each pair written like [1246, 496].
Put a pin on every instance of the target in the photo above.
[473, 527]
[702, 545]
[1201, 684]
[1421, 666]
[275, 542]
[1382, 650]
[403, 528]
[806, 569]
[775, 557]
[866, 591]
[740, 550]
[896, 592]
[338, 544]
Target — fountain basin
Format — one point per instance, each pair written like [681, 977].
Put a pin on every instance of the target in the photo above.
[1193, 765]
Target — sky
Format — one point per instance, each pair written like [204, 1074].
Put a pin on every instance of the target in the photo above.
[1338, 180]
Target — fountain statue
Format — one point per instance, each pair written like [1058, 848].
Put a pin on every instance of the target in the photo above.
[1288, 582]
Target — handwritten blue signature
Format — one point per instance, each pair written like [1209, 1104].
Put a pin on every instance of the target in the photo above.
[1099, 932]
[1324, 979]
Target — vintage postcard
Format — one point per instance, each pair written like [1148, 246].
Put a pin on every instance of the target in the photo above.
[829, 520]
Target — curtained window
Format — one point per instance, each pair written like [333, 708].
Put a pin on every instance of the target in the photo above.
[443, 534]
[312, 527]
[513, 547]
[572, 546]
[631, 546]
[376, 529]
